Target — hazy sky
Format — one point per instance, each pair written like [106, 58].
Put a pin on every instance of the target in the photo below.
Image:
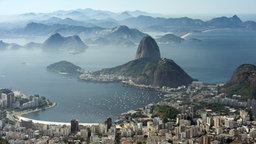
[168, 7]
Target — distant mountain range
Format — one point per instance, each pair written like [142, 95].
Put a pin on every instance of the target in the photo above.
[8, 46]
[184, 24]
[150, 23]
[39, 29]
[124, 36]
[223, 22]
[118, 36]
[87, 14]
[124, 29]
[83, 17]
[70, 43]
[135, 19]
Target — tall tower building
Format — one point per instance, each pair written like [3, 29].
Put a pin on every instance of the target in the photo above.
[204, 140]
[209, 121]
[36, 101]
[109, 123]
[216, 120]
[74, 126]
[4, 100]
[10, 99]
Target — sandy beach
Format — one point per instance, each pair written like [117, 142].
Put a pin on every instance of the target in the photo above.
[209, 30]
[186, 35]
[18, 116]
[52, 122]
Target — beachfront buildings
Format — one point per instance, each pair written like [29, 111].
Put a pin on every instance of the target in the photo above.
[74, 126]
[7, 99]
[16, 100]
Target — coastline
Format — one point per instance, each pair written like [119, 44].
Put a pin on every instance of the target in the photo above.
[20, 113]
[17, 116]
[186, 35]
[20, 118]
[209, 30]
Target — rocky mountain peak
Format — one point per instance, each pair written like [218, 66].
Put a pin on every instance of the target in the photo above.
[242, 82]
[244, 73]
[236, 19]
[70, 43]
[121, 28]
[148, 48]
[56, 36]
[53, 41]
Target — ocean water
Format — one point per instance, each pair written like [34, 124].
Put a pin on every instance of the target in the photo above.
[212, 56]
[208, 56]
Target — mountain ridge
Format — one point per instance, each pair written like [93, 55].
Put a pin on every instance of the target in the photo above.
[70, 43]
[8, 46]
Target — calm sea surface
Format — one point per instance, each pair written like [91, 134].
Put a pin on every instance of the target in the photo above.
[209, 56]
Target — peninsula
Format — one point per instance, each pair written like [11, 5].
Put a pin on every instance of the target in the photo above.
[16, 104]
[147, 69]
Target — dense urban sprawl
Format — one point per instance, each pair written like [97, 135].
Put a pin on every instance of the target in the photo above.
[194, 114]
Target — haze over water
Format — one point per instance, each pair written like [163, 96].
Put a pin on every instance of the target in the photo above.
[210, 57]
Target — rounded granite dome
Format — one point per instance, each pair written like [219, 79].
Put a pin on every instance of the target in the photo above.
[148, 48]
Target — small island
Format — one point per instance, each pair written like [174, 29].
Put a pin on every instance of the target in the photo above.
[65, 68]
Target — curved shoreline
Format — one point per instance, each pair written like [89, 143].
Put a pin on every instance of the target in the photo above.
[186, 35]
[18, 117]
[20, 113]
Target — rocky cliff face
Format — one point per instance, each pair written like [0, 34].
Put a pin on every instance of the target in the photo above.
[242, 82]
[163, 72]
[148, 48]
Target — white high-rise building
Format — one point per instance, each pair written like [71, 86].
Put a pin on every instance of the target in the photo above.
[229, 122]
[216, 120]
[209, 121]
[36, 101]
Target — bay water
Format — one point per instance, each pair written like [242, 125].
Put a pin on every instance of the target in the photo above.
[209, 56]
